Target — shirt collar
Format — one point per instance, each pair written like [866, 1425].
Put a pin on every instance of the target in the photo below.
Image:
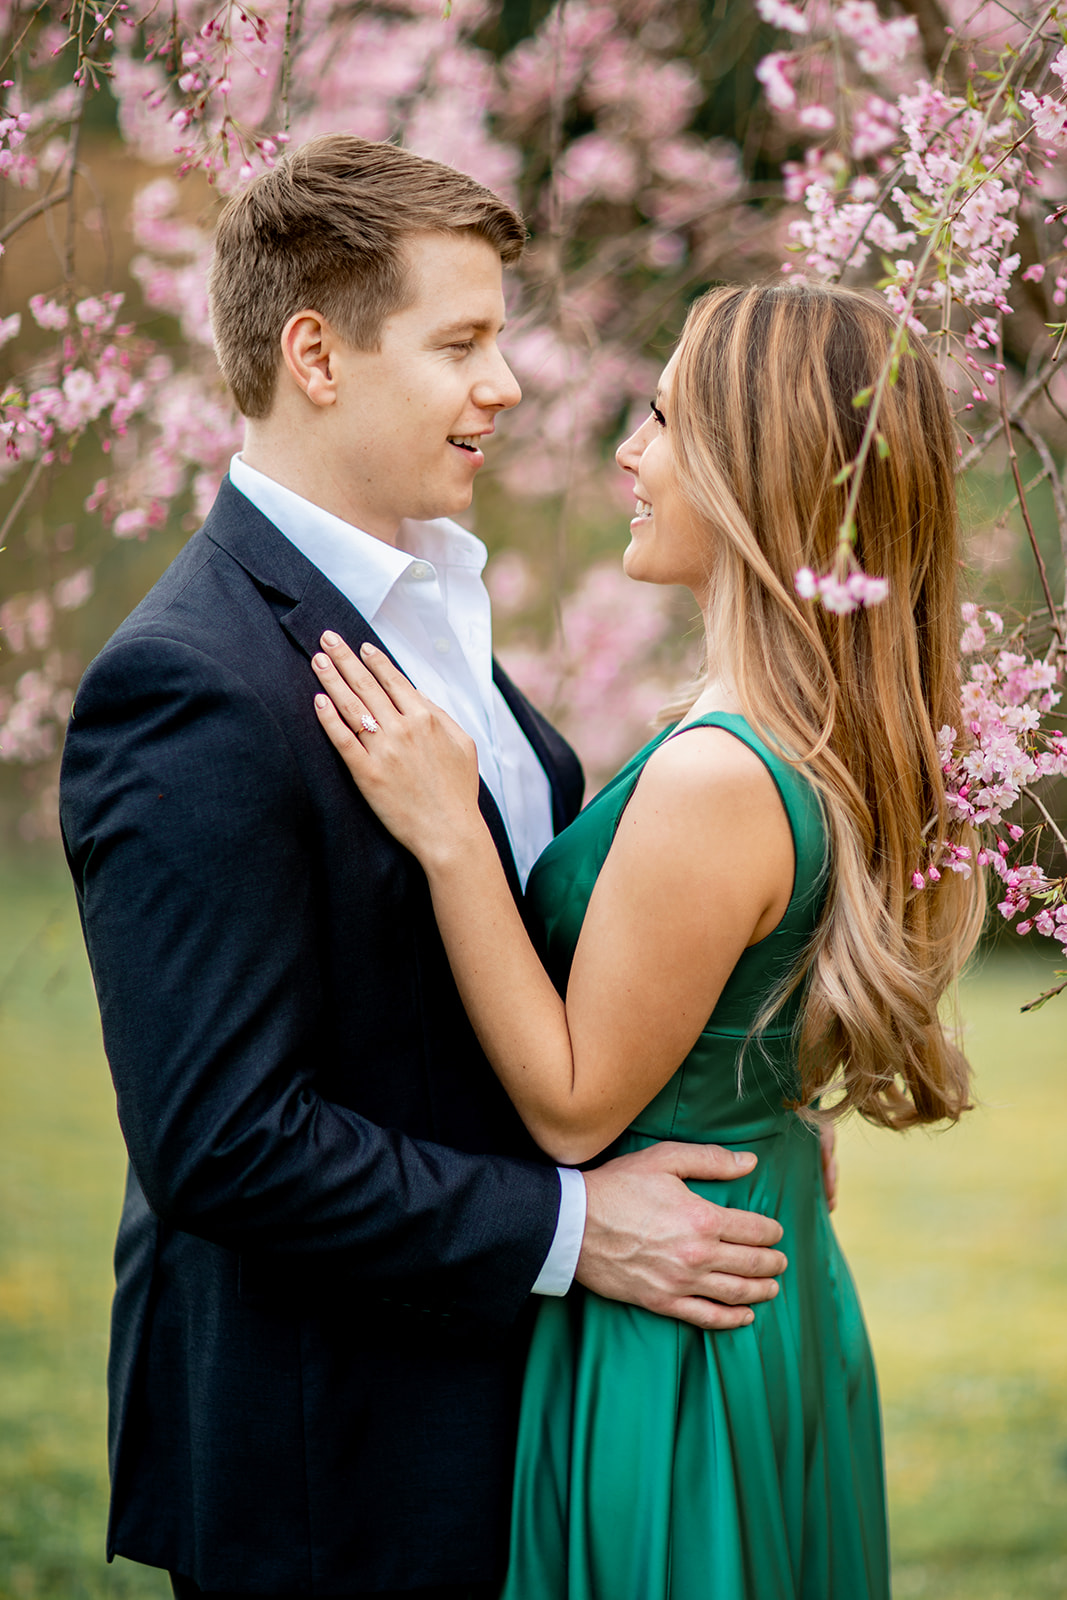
[364, 568]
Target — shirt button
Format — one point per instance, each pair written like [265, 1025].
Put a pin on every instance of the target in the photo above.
[420, 570]
[442, 646]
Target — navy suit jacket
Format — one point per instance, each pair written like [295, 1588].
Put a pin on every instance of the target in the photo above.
[333, 1215]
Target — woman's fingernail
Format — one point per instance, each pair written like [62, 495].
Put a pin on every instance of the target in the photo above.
[320, 662]
[331, 638]
[322, 701]
[367, 650]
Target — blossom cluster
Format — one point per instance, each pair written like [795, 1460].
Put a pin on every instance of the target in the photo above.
[841, 595]
[91, 377]
[1004, 746]
[932, 186]
[34, 712]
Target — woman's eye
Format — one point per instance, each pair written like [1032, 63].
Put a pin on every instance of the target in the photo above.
[658, 414]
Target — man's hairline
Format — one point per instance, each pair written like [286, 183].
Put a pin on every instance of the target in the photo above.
[403, 304]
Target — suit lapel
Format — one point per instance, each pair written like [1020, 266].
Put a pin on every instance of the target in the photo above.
[284, 573]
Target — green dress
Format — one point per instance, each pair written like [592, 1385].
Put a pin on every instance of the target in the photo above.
[658, 1462]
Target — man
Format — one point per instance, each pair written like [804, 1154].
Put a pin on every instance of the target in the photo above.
[334, 1220]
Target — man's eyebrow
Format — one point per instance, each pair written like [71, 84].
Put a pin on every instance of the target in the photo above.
[469, 325]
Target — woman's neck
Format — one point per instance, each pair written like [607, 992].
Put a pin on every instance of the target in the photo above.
[718, 694]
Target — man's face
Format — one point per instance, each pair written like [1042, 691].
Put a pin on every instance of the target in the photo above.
[410, 417]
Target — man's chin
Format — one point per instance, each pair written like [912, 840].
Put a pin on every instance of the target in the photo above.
[443, 506]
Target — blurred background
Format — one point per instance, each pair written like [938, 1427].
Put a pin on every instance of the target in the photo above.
[640, 144]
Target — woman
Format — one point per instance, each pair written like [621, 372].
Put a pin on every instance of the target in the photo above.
[734, 926]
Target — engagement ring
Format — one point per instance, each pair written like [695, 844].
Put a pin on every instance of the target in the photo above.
[369, 723]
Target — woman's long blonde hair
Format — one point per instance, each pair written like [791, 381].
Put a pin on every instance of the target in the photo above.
[762, 420]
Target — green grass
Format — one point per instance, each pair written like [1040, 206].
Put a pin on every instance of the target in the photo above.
[958, 1242]
[61, 1172]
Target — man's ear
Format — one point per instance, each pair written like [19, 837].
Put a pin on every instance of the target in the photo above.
[307, 340]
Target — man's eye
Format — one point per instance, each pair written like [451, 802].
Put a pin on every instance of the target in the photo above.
[463, 345]
[658, 414]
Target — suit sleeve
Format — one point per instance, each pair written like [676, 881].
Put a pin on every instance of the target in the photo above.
[188, 829]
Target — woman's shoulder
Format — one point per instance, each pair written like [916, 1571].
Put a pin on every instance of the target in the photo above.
[703, 773]
[714, 777]
[709, 755]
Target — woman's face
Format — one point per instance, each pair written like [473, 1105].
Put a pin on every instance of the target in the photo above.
[668, 543]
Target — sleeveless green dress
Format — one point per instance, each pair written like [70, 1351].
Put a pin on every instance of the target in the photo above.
[658, 1462]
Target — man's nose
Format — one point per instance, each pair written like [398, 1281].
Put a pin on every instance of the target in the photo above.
[499, 388]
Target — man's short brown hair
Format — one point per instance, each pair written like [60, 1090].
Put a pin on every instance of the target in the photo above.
[324, 230]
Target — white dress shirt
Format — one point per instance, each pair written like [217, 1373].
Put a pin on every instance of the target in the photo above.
[427, 603]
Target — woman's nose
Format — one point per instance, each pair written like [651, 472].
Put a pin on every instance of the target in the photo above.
[629, 453]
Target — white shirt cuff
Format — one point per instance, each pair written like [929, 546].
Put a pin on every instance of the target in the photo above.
[561, 1262]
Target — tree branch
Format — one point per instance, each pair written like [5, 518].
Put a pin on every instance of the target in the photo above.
[1025, 509]
[23, 495]
[1037, 442]
[36, 210]
[1049, 994]
[1022, 400]
[1039, 805]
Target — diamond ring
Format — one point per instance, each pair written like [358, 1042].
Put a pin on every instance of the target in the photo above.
[369, 724]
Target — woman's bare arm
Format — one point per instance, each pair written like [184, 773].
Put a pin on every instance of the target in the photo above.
[701, 867]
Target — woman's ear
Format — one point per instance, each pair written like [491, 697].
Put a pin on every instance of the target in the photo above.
[307, 340]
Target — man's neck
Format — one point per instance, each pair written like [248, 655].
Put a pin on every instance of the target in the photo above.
[291, 459]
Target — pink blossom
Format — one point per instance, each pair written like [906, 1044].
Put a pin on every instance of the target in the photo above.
[26, 622]
[836, 596]
[1049, 115]
[131, 524]
[880, 43]
[597, 165]
[48, 313]
[777, 86]
[819, 119]
[841, 595]
[818, 168]
[73, 591]
[28, 720]
[701, 175]
[875, 126]
[778, 14]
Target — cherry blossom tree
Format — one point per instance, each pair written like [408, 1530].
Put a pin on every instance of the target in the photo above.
[946, 168]
[587, 123]
[914, 148]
